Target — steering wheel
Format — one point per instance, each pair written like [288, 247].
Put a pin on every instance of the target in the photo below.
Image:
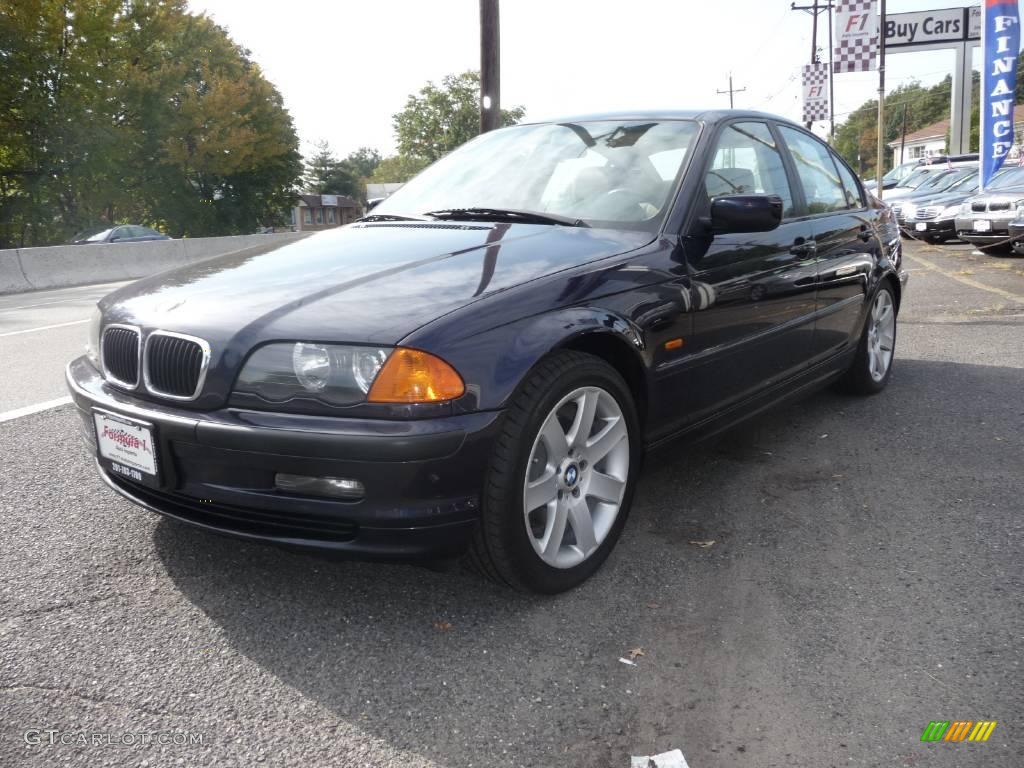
[615, 204]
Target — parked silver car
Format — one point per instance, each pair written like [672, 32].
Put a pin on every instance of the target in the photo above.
[985, 219]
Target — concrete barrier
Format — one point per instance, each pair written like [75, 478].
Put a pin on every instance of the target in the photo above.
[12, 279]
[63, 266]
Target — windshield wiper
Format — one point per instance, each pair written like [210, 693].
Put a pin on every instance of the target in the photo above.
[388, 217]
[506, 214]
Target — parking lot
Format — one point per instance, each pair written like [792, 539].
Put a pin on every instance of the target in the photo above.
[863, 578]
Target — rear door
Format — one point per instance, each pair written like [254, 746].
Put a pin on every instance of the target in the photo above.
[753, 295]
[844, 230]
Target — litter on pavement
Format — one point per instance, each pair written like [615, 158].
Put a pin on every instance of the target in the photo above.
[673, 759]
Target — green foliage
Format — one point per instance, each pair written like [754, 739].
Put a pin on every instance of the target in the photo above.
[135, 110]
[397, 168]
[857, 137]
[364, 161]
[326, 175]
[438, 119]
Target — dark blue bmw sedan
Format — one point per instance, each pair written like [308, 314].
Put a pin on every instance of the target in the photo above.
[479, 365]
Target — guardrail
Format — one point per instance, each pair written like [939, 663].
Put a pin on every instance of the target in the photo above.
[63, 266]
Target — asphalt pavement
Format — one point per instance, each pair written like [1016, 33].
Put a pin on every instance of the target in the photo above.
[864, 579]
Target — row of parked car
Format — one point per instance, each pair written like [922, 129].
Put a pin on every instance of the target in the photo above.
[939, 200]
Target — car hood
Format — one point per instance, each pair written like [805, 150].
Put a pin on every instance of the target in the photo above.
[940, 198]
[1009, 194]
[364, 283]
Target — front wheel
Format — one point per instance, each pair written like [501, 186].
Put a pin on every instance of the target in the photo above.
[872, 365]
[561, 478]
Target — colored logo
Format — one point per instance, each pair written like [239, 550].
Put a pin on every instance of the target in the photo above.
[958, 730]
[571, 475]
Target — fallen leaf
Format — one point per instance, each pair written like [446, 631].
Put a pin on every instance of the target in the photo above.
[627, 661]
[636, 653]
[443, 626]
[703, 544]
[653, 606]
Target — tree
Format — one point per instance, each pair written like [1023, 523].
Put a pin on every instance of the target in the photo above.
[326, 175]
[118, 110]
[438, 119]
[856, 138]
[363, 161]
[397, 168]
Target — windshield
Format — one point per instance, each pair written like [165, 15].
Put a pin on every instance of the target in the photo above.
[1013, 177]
[966, 183]
[900, 171]
[605, 173]
[917, 178]
[936, 181]
[99, 236]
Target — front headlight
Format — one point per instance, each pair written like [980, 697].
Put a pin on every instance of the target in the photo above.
[908, 210]
[950, 212]
[964, 210]
[1020, 211]
[92, 341]
[336, 374]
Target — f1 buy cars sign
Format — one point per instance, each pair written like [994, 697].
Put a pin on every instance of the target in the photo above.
[951, 25]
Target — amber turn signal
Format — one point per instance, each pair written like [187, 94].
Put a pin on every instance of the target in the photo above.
[412, 376]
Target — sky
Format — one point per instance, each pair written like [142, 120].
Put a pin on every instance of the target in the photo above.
[344, 68]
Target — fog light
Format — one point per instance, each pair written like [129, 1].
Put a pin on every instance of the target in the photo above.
[337, 487]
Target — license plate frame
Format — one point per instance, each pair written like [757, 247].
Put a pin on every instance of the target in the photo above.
[129, 450]
[982, 225]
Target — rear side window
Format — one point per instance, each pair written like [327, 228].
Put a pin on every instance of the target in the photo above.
[822, 187]
[747, 162]
[854, 197]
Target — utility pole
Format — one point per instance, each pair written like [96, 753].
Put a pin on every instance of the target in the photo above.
[814, 10]
[879, 171]
[831, 81]
[732, 90]
[490, 67]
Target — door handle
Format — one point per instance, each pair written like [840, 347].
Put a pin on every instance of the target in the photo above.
[803, 247]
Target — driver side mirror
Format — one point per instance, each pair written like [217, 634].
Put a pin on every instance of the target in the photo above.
[745, 213]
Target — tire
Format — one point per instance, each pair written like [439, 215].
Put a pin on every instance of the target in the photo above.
[520, 547]
[876, 349]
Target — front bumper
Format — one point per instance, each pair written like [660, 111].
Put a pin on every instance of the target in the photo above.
[999, 222]
[423, 478]
[932, 227]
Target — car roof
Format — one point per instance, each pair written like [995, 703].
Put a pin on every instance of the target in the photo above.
[702, 115]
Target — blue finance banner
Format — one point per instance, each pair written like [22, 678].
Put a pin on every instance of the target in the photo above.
[1001, 43]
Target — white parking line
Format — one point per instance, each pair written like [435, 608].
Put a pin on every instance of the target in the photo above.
[44, 328]
[28, 410]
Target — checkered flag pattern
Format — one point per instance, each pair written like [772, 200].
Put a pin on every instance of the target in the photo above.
[816, 96]
[856, 36]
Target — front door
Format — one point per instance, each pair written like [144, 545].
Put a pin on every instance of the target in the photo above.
[753, 295]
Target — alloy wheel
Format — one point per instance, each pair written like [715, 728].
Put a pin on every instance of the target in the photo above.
[881, 335]
[576, 477]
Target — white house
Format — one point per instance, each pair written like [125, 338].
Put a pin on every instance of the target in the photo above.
[931, 140]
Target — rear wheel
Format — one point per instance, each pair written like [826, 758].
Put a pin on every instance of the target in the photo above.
[561, 478]
[872, 365]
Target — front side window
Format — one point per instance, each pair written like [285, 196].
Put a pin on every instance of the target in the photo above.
[607, 173]
[818, 174]
[746, 161]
